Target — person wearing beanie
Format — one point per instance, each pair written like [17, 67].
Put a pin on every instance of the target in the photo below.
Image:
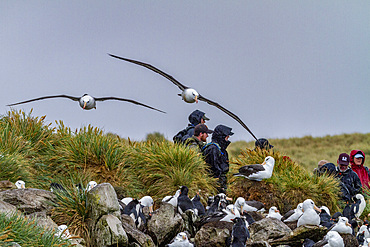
[195, 118]
[216, 155]
[357, 160]
[198, 140]
[350, 182]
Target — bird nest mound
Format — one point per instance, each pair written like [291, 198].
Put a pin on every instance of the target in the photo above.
[289, 185]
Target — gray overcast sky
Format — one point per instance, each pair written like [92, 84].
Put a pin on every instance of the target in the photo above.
[286, 68]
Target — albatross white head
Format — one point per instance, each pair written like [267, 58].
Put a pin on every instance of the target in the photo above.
[20, 184]
[189, 95]
[91, 185]
[87, 102]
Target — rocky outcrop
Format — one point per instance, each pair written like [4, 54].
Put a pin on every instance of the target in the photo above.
[43, 220]
[136, 236]
[268, 229]
[6, 185]
[104, 217]
[29, 200]
[164, 224]
[214, 234]
[7, 208]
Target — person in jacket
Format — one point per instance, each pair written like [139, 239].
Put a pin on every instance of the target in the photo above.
[216, 155]
[195, 118]
[263, 143]
[198, 140]
[350, 182]
[357, 160]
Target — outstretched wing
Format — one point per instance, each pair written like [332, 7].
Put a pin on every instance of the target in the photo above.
[127, 100]
[228, 113]
[152, 68]
[47, 97]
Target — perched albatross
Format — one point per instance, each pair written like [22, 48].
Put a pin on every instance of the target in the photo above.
[258, 172]
[188, 94]
[86, 101]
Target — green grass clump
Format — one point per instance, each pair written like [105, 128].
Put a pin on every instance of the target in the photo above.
[16, 228]
[289, 185]
[162, 167]
[70, 209]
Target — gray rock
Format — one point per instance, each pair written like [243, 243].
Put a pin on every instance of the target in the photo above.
[137, 237]
[268, 229]
[8, 208]
[296, 238]
[29, 200]
[164, 224]
[214, 234]
[109, 232]
[104, 217]
[102, 200]
[43, 220]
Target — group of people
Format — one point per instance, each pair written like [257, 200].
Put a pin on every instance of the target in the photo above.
[215, 154]
[353, 175]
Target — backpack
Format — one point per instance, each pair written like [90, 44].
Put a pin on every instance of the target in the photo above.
[182, 135]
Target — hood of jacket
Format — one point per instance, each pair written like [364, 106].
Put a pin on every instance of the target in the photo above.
[195, 117]
[352, 155]
[219, 134]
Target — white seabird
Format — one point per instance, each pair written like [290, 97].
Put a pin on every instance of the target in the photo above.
[172, 199]
[293, 215]
[365, 230]
[147, 201]
[342, 226]
[244, 206]
[181, 240]
[309, 216]
[258, 172]
[334, 239]
[20, 184]
[188, 94]
[127, 200]
[86, 101]
[274, 213]
[91, 185]
[63, 232]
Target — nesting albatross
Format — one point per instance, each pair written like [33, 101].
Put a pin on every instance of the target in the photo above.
[86, 101]
[258, 172]
[188, 94]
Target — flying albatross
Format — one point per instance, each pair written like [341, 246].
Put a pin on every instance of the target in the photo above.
[87, 102]
[188, 94]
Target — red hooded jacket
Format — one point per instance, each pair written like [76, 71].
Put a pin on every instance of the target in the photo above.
[361, 171]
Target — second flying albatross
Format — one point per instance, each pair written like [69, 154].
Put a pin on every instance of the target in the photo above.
[188, 94]
[86, 102]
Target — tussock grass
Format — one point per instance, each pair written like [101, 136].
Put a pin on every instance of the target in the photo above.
[162, 167]
[16, 228]
[308, 151]
[70, 209]
[289, 185]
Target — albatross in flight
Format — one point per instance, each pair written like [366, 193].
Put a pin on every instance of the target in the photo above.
[87, 102]
[188, 94]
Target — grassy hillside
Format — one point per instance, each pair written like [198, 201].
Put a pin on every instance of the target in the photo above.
[39, 154]
[308, 150]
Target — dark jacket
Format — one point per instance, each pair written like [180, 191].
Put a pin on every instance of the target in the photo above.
[215, 152]
[194, 118]
[361, 170]
[350, 183]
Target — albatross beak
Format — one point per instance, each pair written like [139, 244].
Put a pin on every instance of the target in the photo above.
[84, 105]
[317, 209]
[183, 237]
[348, 224]
[151, 209]
[196, 99]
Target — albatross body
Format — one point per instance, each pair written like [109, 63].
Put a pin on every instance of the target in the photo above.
[258, 172]
[87, 102]
[309, 216]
